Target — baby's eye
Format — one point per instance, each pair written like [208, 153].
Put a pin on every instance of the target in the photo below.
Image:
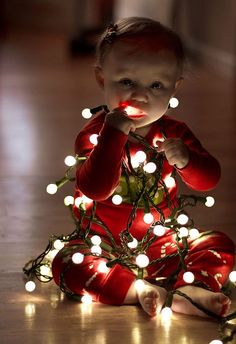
[126, 82]
[157, 85]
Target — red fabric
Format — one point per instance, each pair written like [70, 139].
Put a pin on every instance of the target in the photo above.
[98, 177]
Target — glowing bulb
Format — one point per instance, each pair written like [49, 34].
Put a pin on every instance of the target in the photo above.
[140, 156]
[51, 189]
[45, 270]
[58, 244]
[69, 200]
[183, 232]
[159, 230]
[150, 167]
[133, 243]
[77, 258]
[216, 341]
[117, 199]
[173, 102]
[70, 160]
[134, 162]
[86, 113]
[209, 201]
[94, 139]
[142, 260]
[188, 277]
[170, 182]
[130, 110]
[182, 219]
[96, 250]
[148, 218]
[78, 201]
[86, 199]
[51, 255]
[30, 286]
[103, 268]
[166, 313]
[232, 276]
[86, 299]
[139, 285]
[96, 240]
[194, 233]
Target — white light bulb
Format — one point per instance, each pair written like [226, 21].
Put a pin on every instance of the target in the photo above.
[103, 268]
[45, 270]
[96, 250]
[209, 201]
[142, 260]
[86, 199]
[170, 182]
[183, 232]
[94, 139]
[133, 243]
[134, 162]
[78, 201]
[188, 277]
[96, 240]
[58, 244]
[51, 189]
[182, 219]
[173, 102]
[166, 313]
[86, 299]
[77, 258]
[159, 230]
[148, 218]
[86, 113]
[52, 254]
[232, 276]
[216, 341]
[150, 167]
[117, 199]
[69, 200]
[139, 285]
[194, 233]
[70, 160]
[30, 286]
[140, 156]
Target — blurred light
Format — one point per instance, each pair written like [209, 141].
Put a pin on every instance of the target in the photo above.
[170, 182]
[150, 167]
[148, 218]
[159, 230]
[94, 139]
[183, 232]
[69, 200]
[86, 113]
[51, 189]
[102, 267]
[174, 102]
[58, 244]
[188, 277]
[232, 276]
[96, 250]
[166, 313]
[86, 299]
[30, 286]
[194, 233]
[209, 201]
[117, 199]
[133, 243]
[142, 260]
[139, 285]
[96, 240]
[140, 156]
[70, 161]
[77, 258]
[182, 219]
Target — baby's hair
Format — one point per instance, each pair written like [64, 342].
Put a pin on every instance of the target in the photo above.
[141, 32]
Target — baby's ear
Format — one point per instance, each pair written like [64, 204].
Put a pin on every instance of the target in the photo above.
[178, 83]
[99, 76]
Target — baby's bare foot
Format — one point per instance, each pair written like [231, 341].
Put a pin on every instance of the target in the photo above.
[152, 298]
[217, 303]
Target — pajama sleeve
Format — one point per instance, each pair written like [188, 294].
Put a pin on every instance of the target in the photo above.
[98, 176]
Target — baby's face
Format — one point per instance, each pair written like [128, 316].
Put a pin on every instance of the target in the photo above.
[145, 80]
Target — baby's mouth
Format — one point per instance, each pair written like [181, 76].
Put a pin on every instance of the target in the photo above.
[132, 111]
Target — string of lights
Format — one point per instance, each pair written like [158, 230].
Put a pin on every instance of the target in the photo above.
[130, 253]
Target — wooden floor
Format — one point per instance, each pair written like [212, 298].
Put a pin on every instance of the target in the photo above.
[42, 94]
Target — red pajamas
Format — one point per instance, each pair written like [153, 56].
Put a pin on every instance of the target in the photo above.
[210, 257]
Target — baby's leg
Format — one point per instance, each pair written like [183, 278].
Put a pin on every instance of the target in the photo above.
[150, 297]
[215, 302]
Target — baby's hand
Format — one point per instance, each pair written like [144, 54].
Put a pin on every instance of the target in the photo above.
[175, 151]
[118, 119]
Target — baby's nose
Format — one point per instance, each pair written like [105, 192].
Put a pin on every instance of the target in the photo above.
[140, 95]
